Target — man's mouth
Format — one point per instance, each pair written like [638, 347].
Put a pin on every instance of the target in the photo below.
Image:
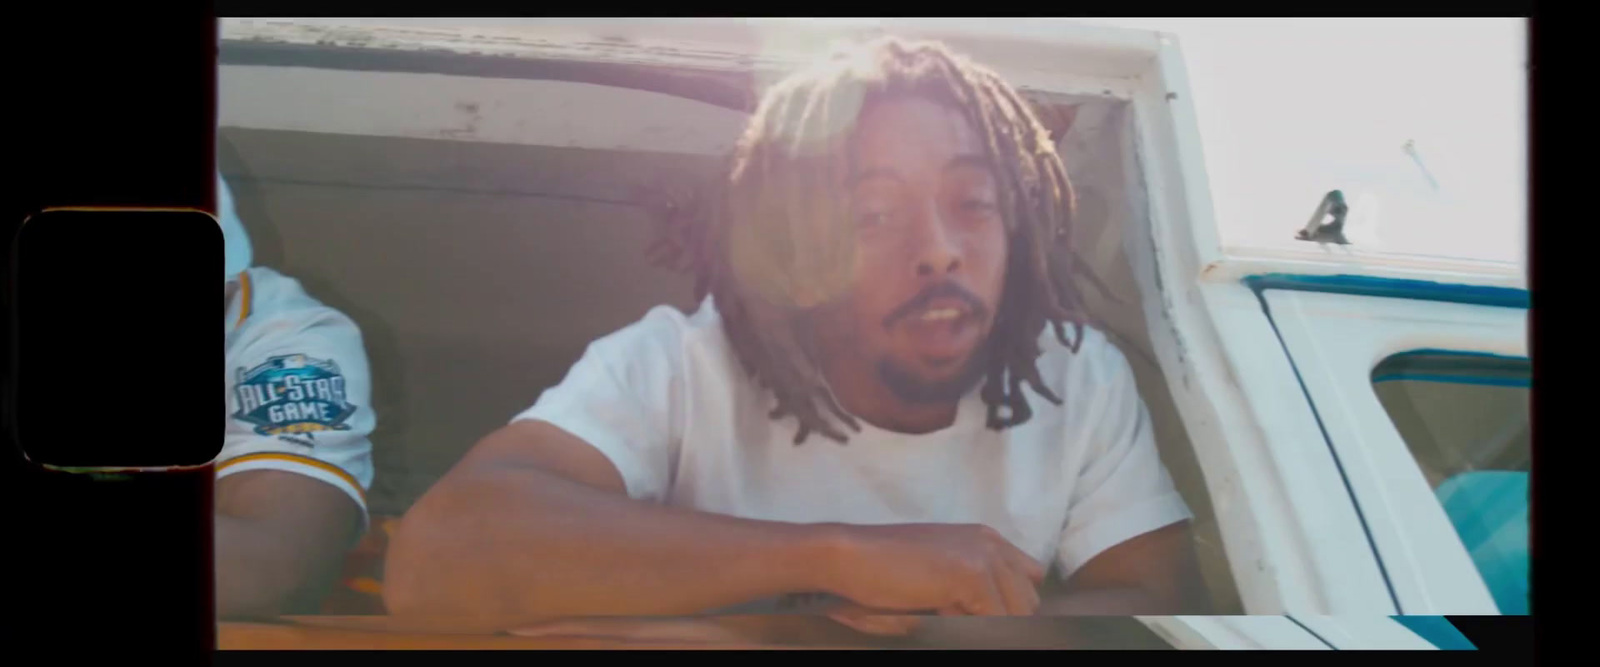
[942, 331]
[946, 302]
[942, 309]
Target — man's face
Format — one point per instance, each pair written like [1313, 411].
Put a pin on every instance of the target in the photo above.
[931, 251]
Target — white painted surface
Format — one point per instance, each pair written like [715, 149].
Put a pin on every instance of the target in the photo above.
[1114, 51]
[1288, 472]
[1055, 55]
[1093, 62]
[1336, 341]
[1233, 633]
[1292, 536]
[1366, 633]
[1239, 264]
[459, 108]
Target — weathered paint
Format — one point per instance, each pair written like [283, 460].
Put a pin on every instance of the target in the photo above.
[1093, 61]
[1292, 536]
[561, 114]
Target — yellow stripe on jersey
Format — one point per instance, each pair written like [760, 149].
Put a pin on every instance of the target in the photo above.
[280, 456]
[244, 296]
[366, 585]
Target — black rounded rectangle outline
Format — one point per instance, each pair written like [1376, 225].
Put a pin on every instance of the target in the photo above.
[49, 456]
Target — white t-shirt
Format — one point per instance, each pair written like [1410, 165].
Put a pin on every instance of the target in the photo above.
[298, 386]
[666, 400]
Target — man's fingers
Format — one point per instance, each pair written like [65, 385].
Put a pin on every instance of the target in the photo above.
[1024, 564]
[985, 599]
[1020, 594]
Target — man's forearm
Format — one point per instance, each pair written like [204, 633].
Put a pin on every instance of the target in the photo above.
[1129, 601]
[519, 543]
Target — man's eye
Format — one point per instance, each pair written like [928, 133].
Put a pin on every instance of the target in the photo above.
[977, 206]
[872, 218]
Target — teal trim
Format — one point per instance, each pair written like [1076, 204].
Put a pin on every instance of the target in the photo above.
[1434, 352]
[1422, 290]
[1524, 383]
[1438, 631]
[1452, 367]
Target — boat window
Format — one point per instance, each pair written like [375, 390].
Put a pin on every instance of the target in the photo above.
[1465, 419]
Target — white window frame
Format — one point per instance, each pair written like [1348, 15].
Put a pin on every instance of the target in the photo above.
[1286, 633]
[1336, 340]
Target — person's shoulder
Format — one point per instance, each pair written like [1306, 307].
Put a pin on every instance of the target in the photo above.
[671, 325]
[1097, 360]
[279, 305]
[271, 292]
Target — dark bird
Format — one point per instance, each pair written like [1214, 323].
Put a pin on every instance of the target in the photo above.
[1331, 231]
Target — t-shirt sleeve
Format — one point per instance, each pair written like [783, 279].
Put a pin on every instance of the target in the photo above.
[1122, 490]
[299, 399]
[624, 397]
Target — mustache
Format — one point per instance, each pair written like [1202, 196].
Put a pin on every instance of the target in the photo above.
[937, 291]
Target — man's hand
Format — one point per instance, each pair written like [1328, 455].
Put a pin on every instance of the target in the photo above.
[1154, 573]
[950, 569]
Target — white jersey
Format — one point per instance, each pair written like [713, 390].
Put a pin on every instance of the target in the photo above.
[668, 403]
[298, 386]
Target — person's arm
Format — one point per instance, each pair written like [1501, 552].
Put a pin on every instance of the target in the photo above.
[296, 460]
[1153, 574]
[1127, 547]
[280, 540]
[535, 522]
[564, 512]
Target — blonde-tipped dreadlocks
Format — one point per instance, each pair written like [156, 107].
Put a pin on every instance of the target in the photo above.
[774, 243]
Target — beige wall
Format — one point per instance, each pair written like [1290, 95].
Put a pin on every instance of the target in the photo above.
[455, 288]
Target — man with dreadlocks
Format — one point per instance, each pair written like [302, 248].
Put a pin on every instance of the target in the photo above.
[887, 394]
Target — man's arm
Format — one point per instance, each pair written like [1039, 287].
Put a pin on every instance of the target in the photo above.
[535, 522]
[280, 539]
[1156, 573]
[1127, 546]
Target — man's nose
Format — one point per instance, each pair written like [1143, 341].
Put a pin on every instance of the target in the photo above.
[936, 249]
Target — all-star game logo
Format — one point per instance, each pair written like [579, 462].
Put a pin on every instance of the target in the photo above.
[293, 394]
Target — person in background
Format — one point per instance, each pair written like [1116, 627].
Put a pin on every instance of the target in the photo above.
[296, 461]
[888, 396]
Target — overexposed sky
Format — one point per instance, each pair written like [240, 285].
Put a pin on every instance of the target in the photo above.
[1291, 108]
